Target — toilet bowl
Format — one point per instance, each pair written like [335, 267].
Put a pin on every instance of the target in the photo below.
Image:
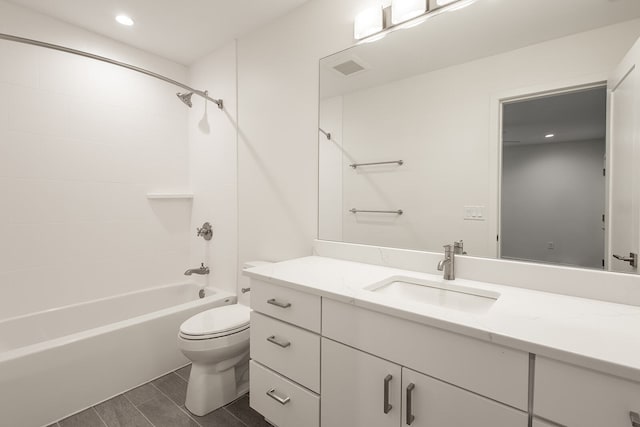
[217, 343]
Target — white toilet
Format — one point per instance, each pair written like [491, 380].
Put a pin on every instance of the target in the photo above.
[217, 343]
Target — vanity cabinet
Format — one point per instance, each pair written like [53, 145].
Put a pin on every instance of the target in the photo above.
[575, 396]
[285, 355]
[318, 362]
[490, 370]
[361, 390]
[358, 389]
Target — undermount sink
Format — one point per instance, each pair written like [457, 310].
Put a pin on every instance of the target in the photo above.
[449, 295]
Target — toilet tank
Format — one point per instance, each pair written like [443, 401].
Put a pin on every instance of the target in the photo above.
[244, 295]
[251, 264]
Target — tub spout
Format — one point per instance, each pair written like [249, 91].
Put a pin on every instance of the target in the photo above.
[201, 270]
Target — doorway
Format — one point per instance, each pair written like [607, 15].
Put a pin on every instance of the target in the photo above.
[553, 183]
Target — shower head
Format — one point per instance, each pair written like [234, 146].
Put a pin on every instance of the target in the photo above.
[186, 98]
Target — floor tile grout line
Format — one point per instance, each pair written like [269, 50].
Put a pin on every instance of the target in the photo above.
[138, 409]
[178, 406]
[186, 411]
[144, 401]
[165, 394]
[236, 417]
[99, 417]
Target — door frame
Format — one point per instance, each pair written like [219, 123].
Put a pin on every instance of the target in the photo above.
[592, 81]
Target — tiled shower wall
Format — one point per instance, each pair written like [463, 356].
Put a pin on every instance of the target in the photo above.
[81, 144]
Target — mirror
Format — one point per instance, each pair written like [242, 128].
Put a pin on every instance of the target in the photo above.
[492, 124]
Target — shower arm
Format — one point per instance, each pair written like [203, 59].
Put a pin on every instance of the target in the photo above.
[203, 94]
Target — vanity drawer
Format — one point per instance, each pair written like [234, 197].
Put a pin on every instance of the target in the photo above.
[268, 393]
[291, 351]
[490, 370]
[286, 304]
[580, 397]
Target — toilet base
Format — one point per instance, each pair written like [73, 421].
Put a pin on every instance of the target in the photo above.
[209, 389]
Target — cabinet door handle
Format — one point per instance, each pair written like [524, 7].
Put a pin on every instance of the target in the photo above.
[635, 419]
[279, 343]
[410, 416]
[277, 303]
[386, 405]
[281, 400]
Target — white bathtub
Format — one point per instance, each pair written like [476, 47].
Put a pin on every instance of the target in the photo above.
[57, 362]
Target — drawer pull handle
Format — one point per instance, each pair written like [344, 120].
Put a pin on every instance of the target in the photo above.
[279, 343]
[281, 400]
[635, 419]
[410, 417]
[387, 406]
[277, 303]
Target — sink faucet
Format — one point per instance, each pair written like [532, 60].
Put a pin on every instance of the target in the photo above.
[458, 248]
[201, 270]
[448, 263]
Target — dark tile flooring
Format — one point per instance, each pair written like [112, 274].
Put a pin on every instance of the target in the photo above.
[160, 403]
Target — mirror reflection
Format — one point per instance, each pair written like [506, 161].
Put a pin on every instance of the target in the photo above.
[508, 125]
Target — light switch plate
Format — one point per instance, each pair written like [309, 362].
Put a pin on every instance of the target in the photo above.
[474, 213]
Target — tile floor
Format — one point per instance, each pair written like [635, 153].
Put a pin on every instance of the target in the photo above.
[160, 403]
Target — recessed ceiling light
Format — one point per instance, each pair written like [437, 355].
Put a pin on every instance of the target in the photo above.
[124, 20]
[550, 135]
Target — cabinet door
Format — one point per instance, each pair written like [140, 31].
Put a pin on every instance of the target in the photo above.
[575, 396]
[427, 402]
[353, 388]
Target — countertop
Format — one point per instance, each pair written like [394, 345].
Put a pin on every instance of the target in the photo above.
[593, 334]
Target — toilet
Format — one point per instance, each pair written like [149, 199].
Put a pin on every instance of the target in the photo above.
[217, 343]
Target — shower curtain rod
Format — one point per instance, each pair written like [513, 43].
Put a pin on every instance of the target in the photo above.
[17, 39]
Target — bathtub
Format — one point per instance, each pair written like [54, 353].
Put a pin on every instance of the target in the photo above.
[57, 362]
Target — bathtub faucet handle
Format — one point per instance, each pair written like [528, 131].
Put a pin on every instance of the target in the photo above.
[206, 232]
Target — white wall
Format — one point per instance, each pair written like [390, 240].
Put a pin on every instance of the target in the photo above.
[278, 117]
[331, 156]
[440, 124]
[554, 193]
[213, 168]
[81, 143]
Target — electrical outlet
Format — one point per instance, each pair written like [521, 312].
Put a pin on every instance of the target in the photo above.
[551, 245]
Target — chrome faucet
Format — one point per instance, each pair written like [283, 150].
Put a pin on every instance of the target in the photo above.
[448, 263]
[458, 247]
[201, 270]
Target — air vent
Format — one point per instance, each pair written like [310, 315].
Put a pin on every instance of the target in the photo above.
[349, 67]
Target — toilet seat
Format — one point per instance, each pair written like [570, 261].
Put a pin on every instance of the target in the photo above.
[216, 322]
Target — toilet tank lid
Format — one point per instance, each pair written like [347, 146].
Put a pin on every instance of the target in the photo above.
[220, 319]
[251, 264]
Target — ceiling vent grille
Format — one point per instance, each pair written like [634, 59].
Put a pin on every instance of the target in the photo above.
[349, 68]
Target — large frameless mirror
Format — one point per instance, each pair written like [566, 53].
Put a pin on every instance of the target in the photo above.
[509, 125]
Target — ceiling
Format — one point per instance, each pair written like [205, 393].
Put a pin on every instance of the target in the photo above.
[574, 116]
[182, 31]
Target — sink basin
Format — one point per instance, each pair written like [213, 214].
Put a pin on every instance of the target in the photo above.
[449, 295]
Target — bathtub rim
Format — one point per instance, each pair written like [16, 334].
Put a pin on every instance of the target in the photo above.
[104, 329]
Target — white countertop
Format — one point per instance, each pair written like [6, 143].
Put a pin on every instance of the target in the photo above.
[598, 335]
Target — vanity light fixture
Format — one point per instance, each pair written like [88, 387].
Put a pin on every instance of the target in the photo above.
[400, 14]
[404, 10]
[368, 22]
[550, 135]
[124, 20]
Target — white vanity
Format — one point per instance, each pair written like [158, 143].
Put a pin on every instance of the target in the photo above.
[328, 351]
[470, 126]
